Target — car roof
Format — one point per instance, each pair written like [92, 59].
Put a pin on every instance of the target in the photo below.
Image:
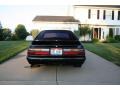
[57, 30]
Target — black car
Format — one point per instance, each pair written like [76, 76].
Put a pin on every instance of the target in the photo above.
[56, 46]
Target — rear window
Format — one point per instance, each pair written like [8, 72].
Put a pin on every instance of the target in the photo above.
[56, 35]
[62, 35]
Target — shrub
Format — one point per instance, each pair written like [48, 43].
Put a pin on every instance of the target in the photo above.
[84, 30]
[95, 40]
[117, 37]
[111, 40]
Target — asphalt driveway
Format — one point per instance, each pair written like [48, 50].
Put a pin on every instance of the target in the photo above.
[95, 70]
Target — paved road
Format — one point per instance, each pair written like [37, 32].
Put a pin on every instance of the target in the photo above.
[95, 70]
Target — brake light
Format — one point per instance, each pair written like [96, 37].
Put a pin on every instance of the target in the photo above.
[40, 52]
[70, 52]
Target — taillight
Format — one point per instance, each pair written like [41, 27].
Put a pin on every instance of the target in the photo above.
[38, 52]
[70, 52]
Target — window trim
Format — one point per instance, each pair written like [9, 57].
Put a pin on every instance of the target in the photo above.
[98, 14]
[118, 15]
[104, 14]
[113, 15]
[89, 13]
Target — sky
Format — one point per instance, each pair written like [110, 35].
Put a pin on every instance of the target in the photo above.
[11, 16]
[14, 12]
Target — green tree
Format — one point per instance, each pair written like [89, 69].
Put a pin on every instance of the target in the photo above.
[14, 37]
[34, 32]
[0, 25]
[84, 30]
[21, 32]
[6, 34]
[1, 34]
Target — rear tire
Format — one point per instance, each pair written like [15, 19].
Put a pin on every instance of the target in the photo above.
[32, 65]
[35, 65]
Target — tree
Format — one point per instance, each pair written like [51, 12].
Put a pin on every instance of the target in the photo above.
[34, 32]
[1, 34]
[6, 34]
[21, 32]
[84, 30]
[14, 37]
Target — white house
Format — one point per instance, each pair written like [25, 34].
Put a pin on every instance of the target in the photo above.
[101, 18]
[56, 22]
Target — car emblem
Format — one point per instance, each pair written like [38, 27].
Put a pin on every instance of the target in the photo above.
[56, 46]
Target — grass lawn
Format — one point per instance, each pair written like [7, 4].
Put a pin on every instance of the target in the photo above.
[11, 48]
[109, 51]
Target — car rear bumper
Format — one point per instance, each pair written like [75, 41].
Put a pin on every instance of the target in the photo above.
[34, 60]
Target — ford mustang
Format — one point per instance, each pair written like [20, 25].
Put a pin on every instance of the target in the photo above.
[56, 46]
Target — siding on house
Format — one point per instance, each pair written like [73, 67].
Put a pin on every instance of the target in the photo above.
[101, 18]
[56, 22]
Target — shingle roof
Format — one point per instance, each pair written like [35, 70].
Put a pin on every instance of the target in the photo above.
[111, 6]
[55, 18]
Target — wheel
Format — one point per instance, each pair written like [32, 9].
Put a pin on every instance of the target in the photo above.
[77, 65]
[35, 65]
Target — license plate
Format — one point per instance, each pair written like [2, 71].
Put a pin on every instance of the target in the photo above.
[56, 51]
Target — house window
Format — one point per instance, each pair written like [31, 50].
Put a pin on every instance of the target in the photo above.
[104, 14]
[117, 31]
[112, 15]
[98, 14]
[99, 33]
[89, 13]
[118, 15]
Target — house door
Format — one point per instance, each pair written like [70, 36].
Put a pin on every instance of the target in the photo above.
[111, 32]
[97, 33]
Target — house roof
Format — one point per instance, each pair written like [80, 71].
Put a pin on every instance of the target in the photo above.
[111, 6]
[55, 19]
